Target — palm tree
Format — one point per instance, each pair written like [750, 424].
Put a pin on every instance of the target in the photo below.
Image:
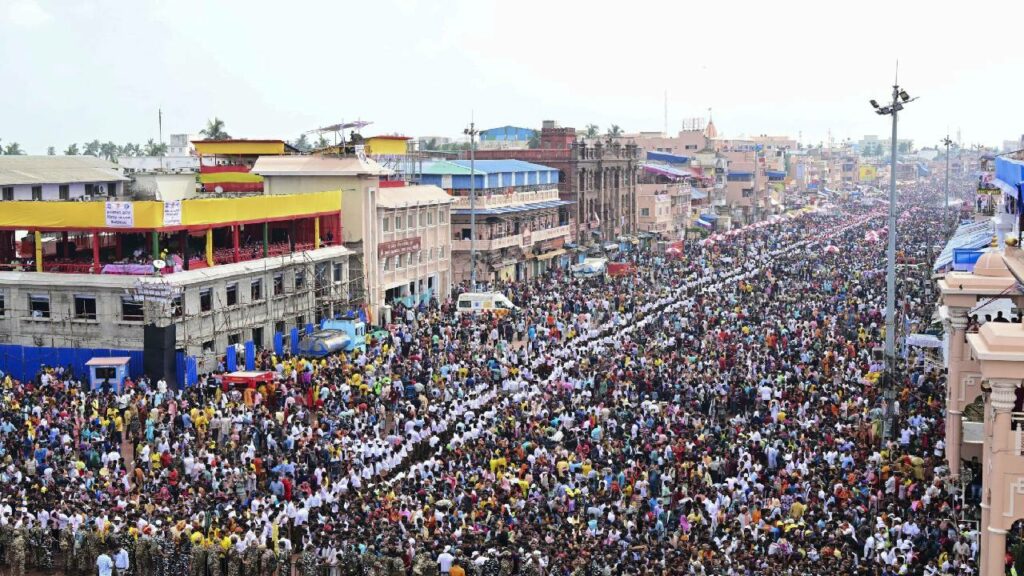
[72, 150]
[592, 130]
[215, 130]
[302, 143]
[51, 151]
[13, 149]
[109, 151]
[92, 148]
[321, 142]
[154, 149]
[614, 131]
[534, 141]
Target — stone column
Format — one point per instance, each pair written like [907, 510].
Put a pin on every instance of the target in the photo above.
[994, 488]
[994, 556]
[956, 327]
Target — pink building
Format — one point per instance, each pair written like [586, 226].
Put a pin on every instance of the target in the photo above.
[985, 419]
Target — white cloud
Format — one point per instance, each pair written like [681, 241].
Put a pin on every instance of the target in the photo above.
[24, 13]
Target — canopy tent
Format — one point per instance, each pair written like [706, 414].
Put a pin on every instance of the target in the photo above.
[670, 172]
[972, 236]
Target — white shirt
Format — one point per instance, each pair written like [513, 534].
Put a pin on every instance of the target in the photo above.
[105, 565]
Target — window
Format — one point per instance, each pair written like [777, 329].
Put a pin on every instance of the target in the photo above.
[3, 304]
[256, 290]
[111, 189]
[440, 252]
[176, 307]
[748, 192]
[235, 338]
[412, 221]
[430, 254]
[419, 256]
[423, 218]
[8, 193]
[205, 300]
[387, 264]
[131, 311]
[257, 337]
[465, 304]
[65, 192]
[442, 216]
[39, 305]
[338, 272]
[208, 346]
[300, 279]
[279, 327]
[645, 212]
[232, 294]
[85, 307]
[300, 322]
[430, 217]
[386, 224]
[278, 284]
[398, 223]
[37, 192]
[398, 262]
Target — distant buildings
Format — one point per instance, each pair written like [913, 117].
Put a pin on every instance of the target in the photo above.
[506, 138]
[522, 225]
[599, 178]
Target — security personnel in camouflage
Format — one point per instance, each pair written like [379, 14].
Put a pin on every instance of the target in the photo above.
[16, 553]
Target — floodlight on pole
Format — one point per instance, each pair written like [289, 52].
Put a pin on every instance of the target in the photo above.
[472, 132]
[945, 209]
[899, 97]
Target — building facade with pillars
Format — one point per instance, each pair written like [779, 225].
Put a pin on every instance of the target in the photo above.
[985, 364]
[599, 177]
[91, 275]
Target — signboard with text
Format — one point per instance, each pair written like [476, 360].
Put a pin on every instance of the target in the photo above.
[120, 215]
[172, 213]
[396, 247]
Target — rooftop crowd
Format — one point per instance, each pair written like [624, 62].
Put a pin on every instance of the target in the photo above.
[719, 413]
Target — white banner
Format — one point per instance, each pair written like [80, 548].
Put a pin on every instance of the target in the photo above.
[120, 215]
[172, 213]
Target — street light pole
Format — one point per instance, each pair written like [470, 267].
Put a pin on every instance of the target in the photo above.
[945, 209]
[899, 98]
[472, 132]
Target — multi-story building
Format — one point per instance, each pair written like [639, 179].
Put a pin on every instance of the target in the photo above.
[506, 138]
[521, 223]
[985, 420]
[599, 177]
[226, 165]
[664, 195]
[400, 235]
[114, 274]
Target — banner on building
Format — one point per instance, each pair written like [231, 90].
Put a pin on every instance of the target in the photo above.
[396, 247]
[172, 213]
[120, 215]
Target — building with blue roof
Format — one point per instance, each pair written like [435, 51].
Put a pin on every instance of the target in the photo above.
[521, 222]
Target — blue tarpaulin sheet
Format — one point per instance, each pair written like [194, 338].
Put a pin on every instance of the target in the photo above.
[974, 236]
[23, 362]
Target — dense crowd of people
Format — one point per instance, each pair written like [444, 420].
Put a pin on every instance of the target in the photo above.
[717, 413]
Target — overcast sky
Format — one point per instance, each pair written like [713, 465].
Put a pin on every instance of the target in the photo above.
[75, 70]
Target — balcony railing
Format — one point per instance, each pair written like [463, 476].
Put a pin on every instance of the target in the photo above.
[491, 199]
[515, 240]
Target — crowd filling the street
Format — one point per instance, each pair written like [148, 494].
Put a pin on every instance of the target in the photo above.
[716, 412]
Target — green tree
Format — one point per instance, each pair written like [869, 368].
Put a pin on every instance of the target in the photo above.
[301, 143]
[534, 141]
[321, 142]
[429, 144]
[614, 131]
[905, 147]
[51, 151]
[154, 149]
[72, 150]
[13, 149]
[593, 131]
[215, 130]
[109, 150]
[92, 148]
